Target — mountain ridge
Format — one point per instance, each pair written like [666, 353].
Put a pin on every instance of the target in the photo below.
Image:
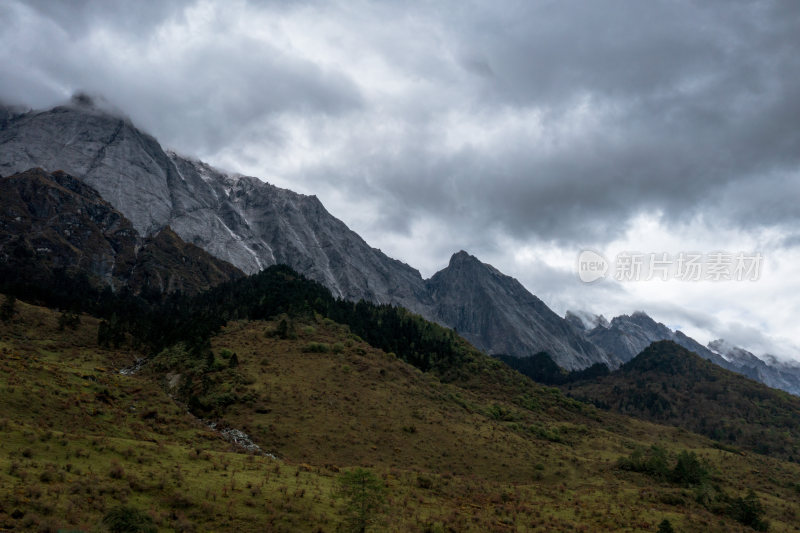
[253, 224]
[471, 296]
[628, 335]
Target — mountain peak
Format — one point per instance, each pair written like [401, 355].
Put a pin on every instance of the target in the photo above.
[81, 99]
[498, 315]
[95, 104]
[586, 321]
[666, 357]
[461, 257]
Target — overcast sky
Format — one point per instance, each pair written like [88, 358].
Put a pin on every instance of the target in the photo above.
[522, 132]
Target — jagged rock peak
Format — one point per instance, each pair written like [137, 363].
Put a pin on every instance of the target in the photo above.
[461, 257]
[497, 314]
[586, 321]
[463, 263]
[637, 317]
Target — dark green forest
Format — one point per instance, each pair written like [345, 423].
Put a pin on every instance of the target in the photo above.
[153, 321]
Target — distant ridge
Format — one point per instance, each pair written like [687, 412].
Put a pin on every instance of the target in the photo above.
[627, 335]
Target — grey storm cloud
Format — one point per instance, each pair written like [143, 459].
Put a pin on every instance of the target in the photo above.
[669, 107]
[199, 92]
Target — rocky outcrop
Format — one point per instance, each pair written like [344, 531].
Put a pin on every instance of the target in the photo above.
[51, 222]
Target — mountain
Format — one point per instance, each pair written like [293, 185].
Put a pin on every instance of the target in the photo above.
[666, 383]
[242, 220]
[776, 374]
[627, 335]
[54, 222]
[498, 315]
[253, 225]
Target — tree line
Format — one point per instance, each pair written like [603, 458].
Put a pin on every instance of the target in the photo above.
[152, 321]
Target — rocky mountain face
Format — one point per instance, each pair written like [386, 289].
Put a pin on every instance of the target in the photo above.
[498, 315]
[253, 224]
[776, 374]
[51, 222]
[628, 335]
[242, 220]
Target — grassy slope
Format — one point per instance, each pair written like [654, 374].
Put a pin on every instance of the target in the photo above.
[490, 452]
[668, 384]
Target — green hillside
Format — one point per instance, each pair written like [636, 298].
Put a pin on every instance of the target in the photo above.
[668, 384]
[489, 451]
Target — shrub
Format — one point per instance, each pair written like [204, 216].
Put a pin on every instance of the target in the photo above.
[68, 320]
[317, 347]
[284, 330]
[173, 357]
[116, 471]
[748, 511]
[653, 462]
[8, 309]
[665, 527]
[424, 482]
[498, 412]
[128, 520]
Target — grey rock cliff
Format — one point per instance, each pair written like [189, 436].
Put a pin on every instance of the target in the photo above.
[498, 315]
[628, 335]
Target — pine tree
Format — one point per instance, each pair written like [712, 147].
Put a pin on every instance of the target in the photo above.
[665, 527]
[8, 309]
[364, 496]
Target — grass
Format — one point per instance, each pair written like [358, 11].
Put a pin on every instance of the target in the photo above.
[491, 451]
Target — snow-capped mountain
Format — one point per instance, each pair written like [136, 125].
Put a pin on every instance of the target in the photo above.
[628, 335]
